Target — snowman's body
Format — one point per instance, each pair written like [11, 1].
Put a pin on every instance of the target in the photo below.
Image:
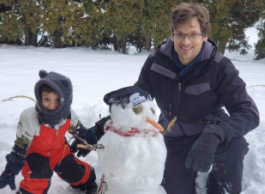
[134, 156]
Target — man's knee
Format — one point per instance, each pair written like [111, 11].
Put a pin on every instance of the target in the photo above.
[227, 168]
[237, 147]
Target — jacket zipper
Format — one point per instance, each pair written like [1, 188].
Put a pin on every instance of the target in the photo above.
[170, 101]
[179, 90]
[56, 133]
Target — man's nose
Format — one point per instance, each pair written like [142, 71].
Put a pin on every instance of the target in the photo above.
[186, 40]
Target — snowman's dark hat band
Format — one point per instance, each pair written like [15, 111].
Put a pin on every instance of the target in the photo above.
[127, 97]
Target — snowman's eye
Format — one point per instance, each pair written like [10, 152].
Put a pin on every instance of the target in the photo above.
[153, 111]
[137, 109]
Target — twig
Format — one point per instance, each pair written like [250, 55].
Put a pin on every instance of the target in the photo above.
[170, 125]
[21, 96]
[256, 85]
[86, 145]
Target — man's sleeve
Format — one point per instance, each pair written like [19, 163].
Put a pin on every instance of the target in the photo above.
[231, 91]
[144, 80]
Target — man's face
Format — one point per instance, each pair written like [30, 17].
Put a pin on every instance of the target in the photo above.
[50, 100]
[189, 47]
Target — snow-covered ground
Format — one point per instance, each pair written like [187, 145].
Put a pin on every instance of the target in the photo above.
[93, 74]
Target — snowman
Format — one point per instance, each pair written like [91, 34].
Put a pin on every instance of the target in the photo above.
[133, 159]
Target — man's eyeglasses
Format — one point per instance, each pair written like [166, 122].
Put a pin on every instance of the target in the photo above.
[180, 36]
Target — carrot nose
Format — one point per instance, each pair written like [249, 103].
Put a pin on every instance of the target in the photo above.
[155, 124]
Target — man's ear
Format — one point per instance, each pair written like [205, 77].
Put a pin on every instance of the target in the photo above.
[172, 35]
[205, 38]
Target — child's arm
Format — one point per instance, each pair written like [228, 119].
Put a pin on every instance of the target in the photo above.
[77, 129]
[22, 142]
[27, 127]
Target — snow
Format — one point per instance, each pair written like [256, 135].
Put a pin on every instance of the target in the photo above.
[95, 73]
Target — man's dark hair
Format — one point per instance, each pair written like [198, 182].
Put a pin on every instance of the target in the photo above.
[46, 88]
[186, 11]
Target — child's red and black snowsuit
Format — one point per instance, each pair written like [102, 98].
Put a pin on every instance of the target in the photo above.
[50, 152]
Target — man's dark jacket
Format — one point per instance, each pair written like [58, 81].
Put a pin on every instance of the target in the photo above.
[212, 83]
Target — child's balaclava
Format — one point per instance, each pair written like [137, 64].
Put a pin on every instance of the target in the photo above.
[63, 87]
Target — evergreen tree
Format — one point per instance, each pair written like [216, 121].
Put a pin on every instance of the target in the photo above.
[72, 23]
[123, 23]
[244, 14]
[93, 24]
[160, 20]
[228, 22]
[71, 27]
[11, 26]
[31, 12]
[52, 19]
[219, 18]
[260, 46]
[121, 18]
[154, 20]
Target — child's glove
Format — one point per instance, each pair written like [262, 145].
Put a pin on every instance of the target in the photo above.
[15, 161]
[202, 153]
[7, 179]
[99, 126]
[86, 134]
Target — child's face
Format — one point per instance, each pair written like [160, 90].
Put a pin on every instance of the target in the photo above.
[50, 100]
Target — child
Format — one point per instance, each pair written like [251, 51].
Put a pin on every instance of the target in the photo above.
[41, 148]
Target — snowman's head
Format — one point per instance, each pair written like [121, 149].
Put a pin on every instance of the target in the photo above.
[131, 107]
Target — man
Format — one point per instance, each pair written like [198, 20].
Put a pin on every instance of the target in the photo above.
[192, 81]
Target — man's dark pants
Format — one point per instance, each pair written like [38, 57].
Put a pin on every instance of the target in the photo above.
[227, 168]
